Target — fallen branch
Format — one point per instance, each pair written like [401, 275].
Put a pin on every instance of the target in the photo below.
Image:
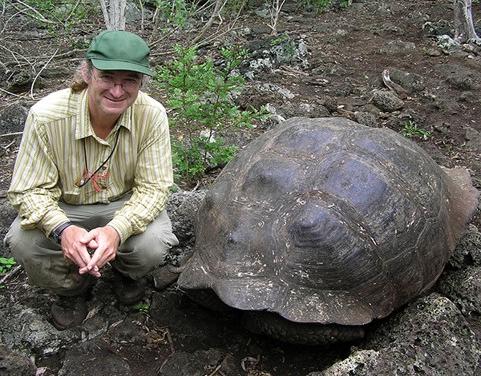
[215, 370]
[169, 338]
[72, 12]
[41, 70]
[9, 93]
[6, 147]
[40, 16]
[219, 4]
[10, 134]
[14, 271]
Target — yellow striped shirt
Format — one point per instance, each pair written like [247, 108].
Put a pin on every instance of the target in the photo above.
[51, 160]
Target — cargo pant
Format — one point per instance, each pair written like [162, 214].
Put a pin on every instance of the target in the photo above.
[46, 266]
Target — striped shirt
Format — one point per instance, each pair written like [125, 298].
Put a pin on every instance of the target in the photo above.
[51, 162]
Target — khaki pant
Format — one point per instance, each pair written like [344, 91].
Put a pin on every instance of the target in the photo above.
[46, 267]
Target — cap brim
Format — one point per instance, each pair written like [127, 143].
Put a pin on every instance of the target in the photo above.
[121, 65]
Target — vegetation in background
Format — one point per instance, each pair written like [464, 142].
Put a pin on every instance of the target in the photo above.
[59, 14]
[175, 12]
[200, 95]
[6, 264]
[411, 130]
[320, 5]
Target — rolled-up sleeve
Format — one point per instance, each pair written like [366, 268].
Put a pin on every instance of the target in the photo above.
[152, 180]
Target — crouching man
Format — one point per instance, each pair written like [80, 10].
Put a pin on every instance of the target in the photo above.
[91, 180]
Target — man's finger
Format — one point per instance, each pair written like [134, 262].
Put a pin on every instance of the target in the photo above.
[105, 259]
[88, 237]
[84, 255]
[95, 258]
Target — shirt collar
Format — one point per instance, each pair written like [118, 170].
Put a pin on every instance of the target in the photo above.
[83, 128]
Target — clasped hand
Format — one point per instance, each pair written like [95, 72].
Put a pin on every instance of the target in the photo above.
[76, 243]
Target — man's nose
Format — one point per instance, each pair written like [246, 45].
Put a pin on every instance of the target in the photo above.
[117, 90]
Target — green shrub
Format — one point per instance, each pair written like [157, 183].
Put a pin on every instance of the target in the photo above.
[59, 14]
[200, 95]
[174, 11]
[411, 130]
[6, 264]
[320, 5]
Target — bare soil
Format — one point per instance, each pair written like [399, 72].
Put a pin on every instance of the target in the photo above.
[348, 49]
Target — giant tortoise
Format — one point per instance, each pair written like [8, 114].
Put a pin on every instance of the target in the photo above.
[323, 225]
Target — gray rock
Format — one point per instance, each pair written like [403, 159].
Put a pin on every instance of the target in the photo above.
[366, 118]
[12, 118]
[410, 81]
[463, 287]
[397, 47]
[473, 138]
[468, 251]
[387, 101]
[460, 77]
[15, 364]
[6, 218]
[23, 327]
[429, 337]
[132, 13]
[447, 44]
[182, 208]
[275, 51]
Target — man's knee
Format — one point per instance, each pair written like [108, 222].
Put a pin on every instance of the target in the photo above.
[23, 243]
[149, 248]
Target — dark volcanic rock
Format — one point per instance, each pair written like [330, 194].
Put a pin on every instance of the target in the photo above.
[463, 287]
[429, 337]
[15, 364]
[12, 118]
[387, 100]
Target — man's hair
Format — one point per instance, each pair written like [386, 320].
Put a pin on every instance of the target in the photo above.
[78, 83]
[85, 68]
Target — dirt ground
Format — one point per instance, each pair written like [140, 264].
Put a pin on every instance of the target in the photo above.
[348, 49]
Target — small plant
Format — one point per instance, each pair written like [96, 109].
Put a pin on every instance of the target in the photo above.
[200, 95]
[57, 15]
[318, 5]
[173, 11]
[321, 5]
[411, 129]
[142, 308]
[6, 264]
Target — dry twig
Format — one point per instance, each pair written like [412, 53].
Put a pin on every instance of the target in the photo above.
[40, 16]
[11, 134]
[219, 4]
[9, 93]
[40, 71]
[14, 271]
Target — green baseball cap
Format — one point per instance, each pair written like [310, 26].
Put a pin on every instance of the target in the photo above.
[119, 50]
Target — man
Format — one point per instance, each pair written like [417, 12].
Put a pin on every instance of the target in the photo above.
[91, 180]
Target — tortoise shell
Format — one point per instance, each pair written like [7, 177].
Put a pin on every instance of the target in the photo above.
[328, 221]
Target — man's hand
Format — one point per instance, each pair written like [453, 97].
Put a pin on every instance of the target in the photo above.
[107, 242]
[77, 251]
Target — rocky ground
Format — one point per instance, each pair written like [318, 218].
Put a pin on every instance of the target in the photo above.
[328, 64]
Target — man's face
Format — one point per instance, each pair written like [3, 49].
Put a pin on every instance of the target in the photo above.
[112, 92]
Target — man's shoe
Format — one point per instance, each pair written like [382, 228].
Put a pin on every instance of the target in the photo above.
[128, 290]
[69, 311]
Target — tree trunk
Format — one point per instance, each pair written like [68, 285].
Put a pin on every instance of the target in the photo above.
[114, 14]
[463, 22]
